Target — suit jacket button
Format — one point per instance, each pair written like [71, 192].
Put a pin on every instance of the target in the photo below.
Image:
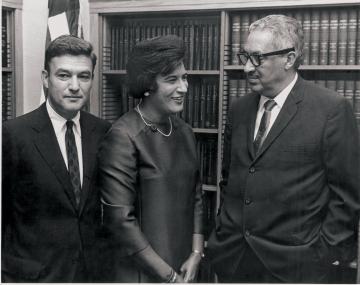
[252, 169]
[247, 201]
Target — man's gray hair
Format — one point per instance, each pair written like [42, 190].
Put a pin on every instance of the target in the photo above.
[287, 33]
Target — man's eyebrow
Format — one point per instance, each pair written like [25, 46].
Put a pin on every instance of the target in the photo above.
[69, 71]
[62, 70]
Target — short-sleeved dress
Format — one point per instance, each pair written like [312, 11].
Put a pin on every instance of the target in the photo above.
[151, 195]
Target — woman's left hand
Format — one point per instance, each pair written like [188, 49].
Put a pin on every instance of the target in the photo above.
[190, 267]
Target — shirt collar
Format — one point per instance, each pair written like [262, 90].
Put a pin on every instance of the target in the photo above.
[281, 97]
[59, 122]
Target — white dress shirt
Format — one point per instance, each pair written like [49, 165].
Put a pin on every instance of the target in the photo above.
[59, 125]
[280, 100]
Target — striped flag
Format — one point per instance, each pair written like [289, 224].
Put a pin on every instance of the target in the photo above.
[67, 17]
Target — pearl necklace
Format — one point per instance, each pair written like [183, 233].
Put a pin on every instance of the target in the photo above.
[152, 126]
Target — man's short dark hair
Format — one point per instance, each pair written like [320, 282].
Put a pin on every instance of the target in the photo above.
[152, 57]
[69, 45]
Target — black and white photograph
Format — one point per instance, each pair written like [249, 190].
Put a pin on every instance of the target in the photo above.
[167, 141]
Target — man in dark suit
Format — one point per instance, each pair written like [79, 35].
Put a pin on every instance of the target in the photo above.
[290, 170]
[50, 207]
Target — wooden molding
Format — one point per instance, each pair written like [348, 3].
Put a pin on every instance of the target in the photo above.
[129, 6]
[16, 4]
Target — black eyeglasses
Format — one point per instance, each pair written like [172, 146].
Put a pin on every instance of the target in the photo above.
[256, 58]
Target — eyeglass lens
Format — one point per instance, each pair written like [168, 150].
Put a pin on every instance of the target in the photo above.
[244, 57]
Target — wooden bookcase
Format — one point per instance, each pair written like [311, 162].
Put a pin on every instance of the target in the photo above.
[11, 58]
[342, 76]
[8, 77]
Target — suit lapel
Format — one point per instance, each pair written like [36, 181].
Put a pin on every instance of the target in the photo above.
[49, 149]
[286, 114]
[251, 125]
[89, 157]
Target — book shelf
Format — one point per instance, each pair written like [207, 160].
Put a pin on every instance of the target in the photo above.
[201, 35]
[7, 53]
[331, 50]
[12, 68]
[214, 31]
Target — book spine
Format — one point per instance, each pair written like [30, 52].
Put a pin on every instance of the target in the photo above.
[187, 44]
[4, 49]
[210, 48]
[212, 163]
[233, 89]
[216, 47]
[190, 109]
[203, 96]
[131, 37]
[209, 105]
[342, 41]
[333, 37]
[357, 100]
[112, 48]
[197, 55]
[358, 39]
[352, 26]
[204, 47]
[191, 45]
[120, 48]
[184, 111]
[235, 39]
[314, 37]
[196, 105]
[244, 28]
[324, 37]
[349, 91]
[306, 28]
[215, 105]
[124, 99]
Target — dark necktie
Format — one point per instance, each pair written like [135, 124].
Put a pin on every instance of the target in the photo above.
[73, 161]
[264, 124]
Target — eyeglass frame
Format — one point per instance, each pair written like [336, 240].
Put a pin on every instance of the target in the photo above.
[262, 55]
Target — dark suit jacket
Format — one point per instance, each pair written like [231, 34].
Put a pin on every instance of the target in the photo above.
[295, 203]
[43, 233]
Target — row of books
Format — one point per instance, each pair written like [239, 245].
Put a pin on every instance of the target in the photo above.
[201, 38]
[201, 104]
[331, 36]
[5, 42]
[207, 151]
[349, 88]
[7, 101]
[115, 101]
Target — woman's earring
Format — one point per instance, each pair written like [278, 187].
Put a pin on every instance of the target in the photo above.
[146, 93]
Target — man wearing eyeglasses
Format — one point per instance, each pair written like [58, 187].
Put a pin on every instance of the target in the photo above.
[290, 189]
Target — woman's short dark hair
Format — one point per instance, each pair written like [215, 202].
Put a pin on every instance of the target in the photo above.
[152, 57]
[69, 45]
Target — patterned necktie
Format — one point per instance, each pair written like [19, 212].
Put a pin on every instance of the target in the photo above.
[264, 124]
[73, 162]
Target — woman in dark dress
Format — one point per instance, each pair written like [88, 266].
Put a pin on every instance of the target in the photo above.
[149, 177]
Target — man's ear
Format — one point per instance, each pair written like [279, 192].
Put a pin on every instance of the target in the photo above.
[45, 78]
[290, 60]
